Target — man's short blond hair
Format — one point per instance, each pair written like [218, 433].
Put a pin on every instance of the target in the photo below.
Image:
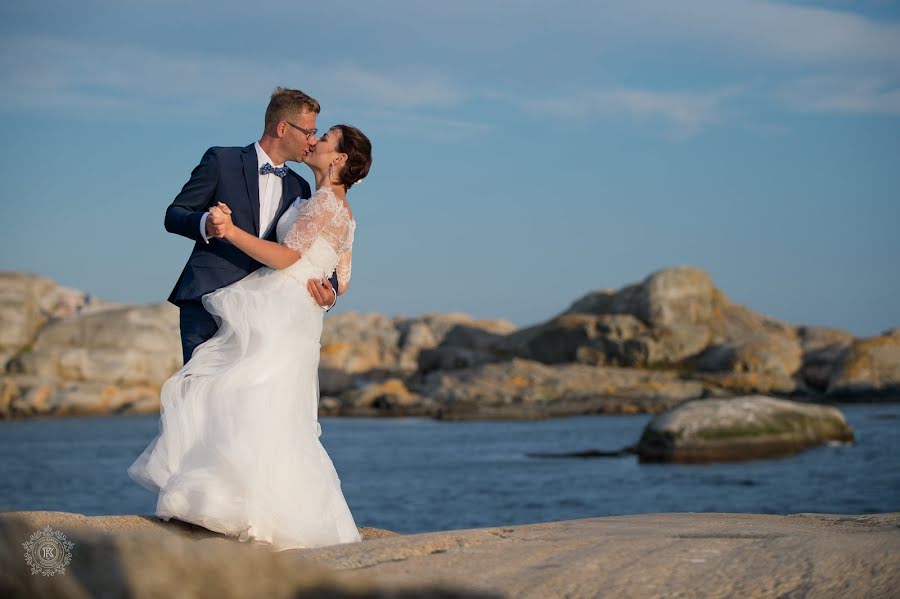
[286, 103]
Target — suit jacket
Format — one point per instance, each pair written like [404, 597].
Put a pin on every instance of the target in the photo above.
[228, 175]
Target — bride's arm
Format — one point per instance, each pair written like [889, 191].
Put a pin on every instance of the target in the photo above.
[343, 272]
[273, 255]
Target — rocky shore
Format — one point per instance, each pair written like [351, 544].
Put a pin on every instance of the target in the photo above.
[647, 347]
[648, 555]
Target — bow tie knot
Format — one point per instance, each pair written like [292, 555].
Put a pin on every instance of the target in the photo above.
[279, 171]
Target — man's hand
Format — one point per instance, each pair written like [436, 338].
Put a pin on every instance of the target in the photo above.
[321, 291]
[219, 221]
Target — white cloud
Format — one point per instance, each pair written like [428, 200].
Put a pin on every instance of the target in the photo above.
[686, 113]
[834, 94]
[45, 73]
[760, 29]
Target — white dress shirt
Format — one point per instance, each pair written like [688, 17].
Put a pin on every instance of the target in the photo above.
[269, 195]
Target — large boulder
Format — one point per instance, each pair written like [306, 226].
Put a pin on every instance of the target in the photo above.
[740, 428]
[28, 302]
[95, 362]
[869, 369]
[672, 318]
[354, 342]
[138, 345]
[668, 297]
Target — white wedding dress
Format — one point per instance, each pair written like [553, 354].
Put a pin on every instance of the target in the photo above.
[238, 450]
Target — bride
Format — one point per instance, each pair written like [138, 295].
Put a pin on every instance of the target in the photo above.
[238, 450]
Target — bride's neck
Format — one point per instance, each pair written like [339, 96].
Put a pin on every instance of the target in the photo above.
[322, 181]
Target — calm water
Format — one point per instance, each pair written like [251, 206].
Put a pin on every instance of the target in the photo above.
[414, 475]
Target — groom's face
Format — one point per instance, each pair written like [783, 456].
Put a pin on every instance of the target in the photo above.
[297, 141]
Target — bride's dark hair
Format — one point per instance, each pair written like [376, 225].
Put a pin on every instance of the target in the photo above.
[358, 149]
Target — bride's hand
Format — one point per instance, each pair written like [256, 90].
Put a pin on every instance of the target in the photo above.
[220, 218]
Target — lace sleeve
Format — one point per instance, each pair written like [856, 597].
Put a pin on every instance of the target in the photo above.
[343, 269]
[321, 215]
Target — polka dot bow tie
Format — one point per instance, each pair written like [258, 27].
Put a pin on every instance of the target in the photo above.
[267, 168]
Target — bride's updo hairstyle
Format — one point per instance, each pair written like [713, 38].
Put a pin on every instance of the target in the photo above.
[358, 149]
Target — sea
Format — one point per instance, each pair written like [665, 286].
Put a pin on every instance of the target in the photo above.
[415, 475]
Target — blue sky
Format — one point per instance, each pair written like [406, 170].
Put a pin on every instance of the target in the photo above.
[524, 152]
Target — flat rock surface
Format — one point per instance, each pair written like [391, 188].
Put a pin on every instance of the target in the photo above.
[647, 555]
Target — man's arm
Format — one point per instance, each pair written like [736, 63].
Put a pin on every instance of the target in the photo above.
[186, 213]
[324, 291]
[334, 285]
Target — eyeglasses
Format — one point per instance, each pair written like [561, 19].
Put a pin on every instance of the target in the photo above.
[308, 132]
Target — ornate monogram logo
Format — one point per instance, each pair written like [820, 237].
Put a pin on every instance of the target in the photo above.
[48, 552]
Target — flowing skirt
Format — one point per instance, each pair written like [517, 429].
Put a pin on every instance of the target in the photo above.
[238, 450]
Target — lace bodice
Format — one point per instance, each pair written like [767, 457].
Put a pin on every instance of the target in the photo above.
[323, 217]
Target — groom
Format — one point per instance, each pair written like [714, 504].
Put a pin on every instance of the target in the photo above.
[258, 188]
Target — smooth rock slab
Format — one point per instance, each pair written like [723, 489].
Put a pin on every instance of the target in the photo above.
[706, 555]
[136, 556]
[740, 428]
[648, 555]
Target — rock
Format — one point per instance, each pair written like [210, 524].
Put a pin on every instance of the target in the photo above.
[673, 315]
[730, 384]
[869, 369]
[415, 337]
[661, 347]
[823, 351]
[554, 342]
[652, 555]
[631, 556]
[125, 346]
[453, 358]
[817, 338]
[383, 396]
[362, 343]
[668, 297]
[740, 428]
[771, 354]
[354, 342]
[527, 389]
[607, 339]
[333, 381]
[25, 396]
[329, 406]
[27, 302]
[447, 330]
[138, 556]
[95, 362]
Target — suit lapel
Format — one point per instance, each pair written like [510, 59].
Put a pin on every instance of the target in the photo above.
[288, 192]
[251, 178]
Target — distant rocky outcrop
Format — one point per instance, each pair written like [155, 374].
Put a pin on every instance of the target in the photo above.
[82, 356]
[644, 348]
[740, 428]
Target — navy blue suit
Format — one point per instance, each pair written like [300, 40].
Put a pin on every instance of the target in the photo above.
[227, 175]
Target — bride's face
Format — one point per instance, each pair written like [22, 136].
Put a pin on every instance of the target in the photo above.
[325, 151]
